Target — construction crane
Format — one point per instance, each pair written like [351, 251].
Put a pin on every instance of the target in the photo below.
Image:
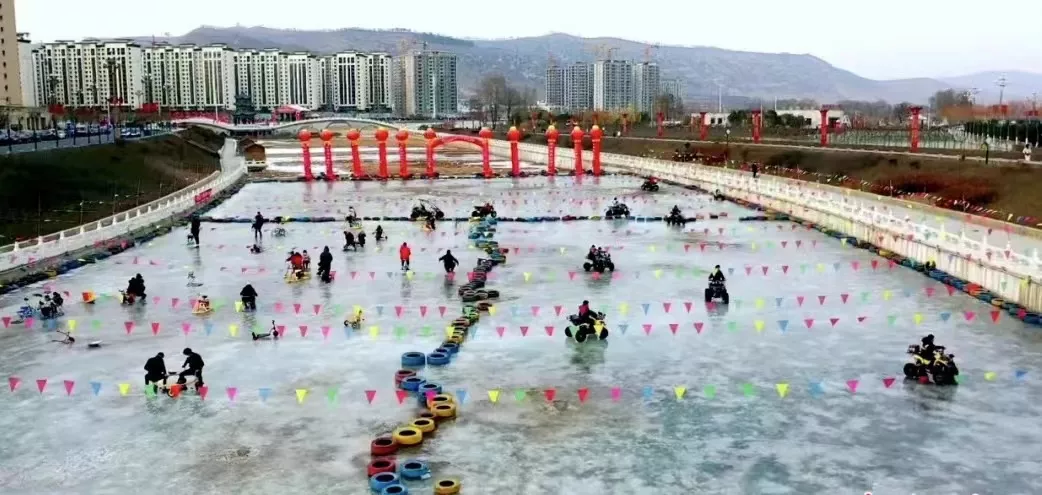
[611, 51]
[648, 52]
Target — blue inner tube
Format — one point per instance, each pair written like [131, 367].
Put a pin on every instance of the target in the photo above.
[450, 347]
[414, 470]
[383, 480]
[438, 359]
[412, 383]
[395, 490]
[413, 359]
[428, 387]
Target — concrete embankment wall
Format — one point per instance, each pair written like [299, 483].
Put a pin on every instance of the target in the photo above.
[1012, 276]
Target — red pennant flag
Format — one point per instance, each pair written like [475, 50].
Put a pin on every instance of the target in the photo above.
[402, 394]
[596, 275]
[278, 307]
[441, 311]
[281, 330]
[583, 393]
[571, 275]
[129, 325]
[852, 385]
[969, 315]
[891, 264]
[673, 328]
[647, 329]
[784, 243]
[666, 306]
[354, 275]
[557, 310]
[798, 243]
[69, 384]
[155, 328]
[372, 275]
[720, 230]
[821, 300]
[995, 316]
[702, 247]
[501, 331]
[303, 330]
[186, 327]
[687, 306]
[203, 390]
[799, 300]
[844, 297]
[370, 395]
[423, 311]
[888, 381]
[861, 319]
[535, 310]
[687, 247]
[317, 308]
[834, 321]
[41, 384]
[698, 327]
[951, 290]
[929, 291]
[296, 308]
[550, 394]
[7, 321]
[398, 311]
[748, 270]
[855, 265]
[550, 331]
[809, 322]
[765, 268]
[13, 382]
[875, 264]
[785, 269]
[524, 331]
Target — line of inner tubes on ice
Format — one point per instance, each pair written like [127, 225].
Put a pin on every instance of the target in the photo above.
[437, 405]
[50, 268]
[321, 177]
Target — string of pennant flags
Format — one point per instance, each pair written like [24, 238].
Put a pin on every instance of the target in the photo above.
[781, 390]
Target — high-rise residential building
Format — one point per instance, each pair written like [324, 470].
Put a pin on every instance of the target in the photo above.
[189, 77]
[672, 87]
[612, 85]
[378, 82]
[556, 88]
[300, 80]
[89, 73]
[11, 85]
[25, 72]
[257, 74]
[646, 82]
[579, 86]
[348, 88]
[425, 84]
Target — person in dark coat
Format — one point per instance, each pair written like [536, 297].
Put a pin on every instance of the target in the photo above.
[449, 261]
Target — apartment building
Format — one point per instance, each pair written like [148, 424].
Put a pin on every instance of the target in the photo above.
[92, 73]
[425, 83]
[612, 85]
[673, 87]
[300, 80]
[579, 86]
[11, 84]
[556, 87]
[646, 81]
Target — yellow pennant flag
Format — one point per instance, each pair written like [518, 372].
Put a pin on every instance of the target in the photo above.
[821, 267]
[989, 376]
[492, 310]
[493, 395]
[301, 393]
[623, 309]
[759, 325]
[71, 324]
[754, 246]
[233, 329]
[759, 303]
[783, 389]
[651, 248]
[528, 276]
[562, 250]
[357, 309]
[124, 389]
[238, 306]
[886, 295]
[409, 274]
[748, 229]
[918, 318]
[658, 273]
[374, 331]
[679, 391]
[449, 330]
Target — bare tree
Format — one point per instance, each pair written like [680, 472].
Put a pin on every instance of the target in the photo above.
[491, 92]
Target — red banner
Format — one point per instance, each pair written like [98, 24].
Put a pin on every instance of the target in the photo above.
[203, 196]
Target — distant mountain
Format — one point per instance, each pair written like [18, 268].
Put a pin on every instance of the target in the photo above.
[524, 60]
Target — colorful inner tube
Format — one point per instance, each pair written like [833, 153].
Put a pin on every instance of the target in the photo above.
[445, 411]
[450, 347]
[440, 399]
[412, 383]
[427, 388]
[381, 465]
[384, 446]
[407, 435]
[426, 414]
[424, 425]
[447, 487]
[455, 339]
[413, 359]
[438, 359]
[395, 490]
[415, 470]
[401, 375]
[383, 480]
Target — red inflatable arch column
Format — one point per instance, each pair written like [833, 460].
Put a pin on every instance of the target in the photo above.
[577, 142]
[551, 150]
[327, 150]
[403, 157]
[485, 134]
[430, 136]
[514, 135]
[353, 136]
[595, 136]
[381, 147]
[305, 147]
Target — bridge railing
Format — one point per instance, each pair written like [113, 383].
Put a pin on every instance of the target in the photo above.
[47, 246]
[828, 199]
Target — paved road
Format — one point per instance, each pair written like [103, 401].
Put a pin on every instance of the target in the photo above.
[63, 143]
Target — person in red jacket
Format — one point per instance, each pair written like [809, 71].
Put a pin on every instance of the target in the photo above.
[404, 253]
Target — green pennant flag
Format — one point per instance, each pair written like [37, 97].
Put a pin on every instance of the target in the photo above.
[96, 324]
[709, 391]
[550, 277]
[338, 308]
[256, 328]
[150, 390]
[864, 296]
[680, 273]
[803, 268]
[890, 319]
[519, 395]
[732, 326]
[426, 331]
[748, 390]
[430, 275]
[399, 332]
[331, 395]
[770, 245]
[737, 304]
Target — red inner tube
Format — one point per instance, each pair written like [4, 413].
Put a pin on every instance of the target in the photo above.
[381, 465]
[383, 446]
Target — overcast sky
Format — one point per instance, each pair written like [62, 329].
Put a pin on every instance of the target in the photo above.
[881, 39]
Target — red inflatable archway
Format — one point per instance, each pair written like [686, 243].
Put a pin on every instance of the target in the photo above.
[434, 144]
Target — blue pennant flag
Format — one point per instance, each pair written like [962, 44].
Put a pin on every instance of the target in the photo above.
[816, 389]
[209, 327]
[96, 387]
[390, 274]
[648, 393]
[907, 293]
[380, 310]
[1019, 374]
[945, 316]
[783, 325]
[515, 311]
[264, 393]
[461, 395]
[623, 327]
[730, 271]
[645, 306]
[778, 301]
[836, 266]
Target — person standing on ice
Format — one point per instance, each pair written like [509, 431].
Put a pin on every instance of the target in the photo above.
[449, 261]
[404, 253]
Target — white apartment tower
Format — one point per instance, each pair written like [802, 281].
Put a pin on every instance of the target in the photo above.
[26, 77]
[89, 73]
[579, 86]
[300, 80]
[10, 55]
[556, 87]
[426, 84]
[673, 87]
[190, 77]
[612, 85]
[257, 74]
[646, 82]
[378, 74]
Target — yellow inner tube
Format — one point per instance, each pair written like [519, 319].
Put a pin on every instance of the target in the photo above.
[447, 487]
[423, 424]
[997, 302]
[408, 435]
[455, 339]
[445, 410]
[440, 399]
